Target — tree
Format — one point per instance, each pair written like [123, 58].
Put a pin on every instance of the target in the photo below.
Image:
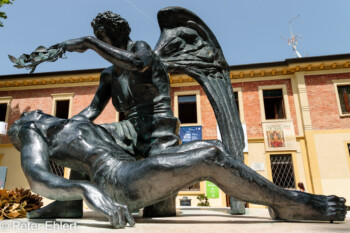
[3, 14]
[203, 200]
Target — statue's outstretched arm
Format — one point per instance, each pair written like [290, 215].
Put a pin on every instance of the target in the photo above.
[139, 60]
[35, 164]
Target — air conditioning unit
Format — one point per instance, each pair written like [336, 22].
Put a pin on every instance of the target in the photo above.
[3, 128]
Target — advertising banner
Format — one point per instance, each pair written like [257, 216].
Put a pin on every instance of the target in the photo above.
[279, 136]
[190, 133]
[212, 190]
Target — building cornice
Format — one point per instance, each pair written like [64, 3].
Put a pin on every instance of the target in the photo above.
[310, 67]
[282, 69]
[50, 80]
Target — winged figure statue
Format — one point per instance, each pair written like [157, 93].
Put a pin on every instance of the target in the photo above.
[140, 162]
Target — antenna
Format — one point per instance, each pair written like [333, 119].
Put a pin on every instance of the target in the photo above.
[293, 40]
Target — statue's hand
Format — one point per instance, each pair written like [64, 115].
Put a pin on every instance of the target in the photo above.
[74, 45]
[117, 214]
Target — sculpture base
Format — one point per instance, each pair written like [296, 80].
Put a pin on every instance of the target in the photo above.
[236, 207]
[164, 208]
[59, 209]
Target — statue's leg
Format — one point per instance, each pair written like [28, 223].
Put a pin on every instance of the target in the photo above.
[159, 177]
[62, 209]
[124, 135]
[165, 207]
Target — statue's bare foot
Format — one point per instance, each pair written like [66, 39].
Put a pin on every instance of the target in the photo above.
[306, 206]
[59, 209]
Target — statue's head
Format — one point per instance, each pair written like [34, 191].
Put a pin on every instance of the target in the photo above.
[109, 26]
[36, 116]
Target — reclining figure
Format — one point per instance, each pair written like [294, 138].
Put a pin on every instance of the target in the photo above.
[119, 183]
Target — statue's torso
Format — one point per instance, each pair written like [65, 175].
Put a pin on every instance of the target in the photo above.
[145, 99]
[143, 92]
[84, 143]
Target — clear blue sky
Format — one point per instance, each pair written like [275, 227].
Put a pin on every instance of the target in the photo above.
[249, 31]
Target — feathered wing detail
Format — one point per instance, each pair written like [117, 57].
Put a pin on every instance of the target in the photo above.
[186, 45]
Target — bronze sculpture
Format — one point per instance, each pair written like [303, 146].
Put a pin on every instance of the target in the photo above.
[138, 85]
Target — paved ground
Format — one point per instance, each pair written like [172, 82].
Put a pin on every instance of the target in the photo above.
[187, 221]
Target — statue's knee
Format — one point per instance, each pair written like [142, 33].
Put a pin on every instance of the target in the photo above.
[215, 142]
[218, 143]
[29, 125]
[212, 154]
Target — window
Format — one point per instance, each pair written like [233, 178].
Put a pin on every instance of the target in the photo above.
[273, 104]
[121, 116]
[187, 109]
[344, 98]
[61, 107]
[235, 95]
[5, 103]
[3, 111]
[282, 170]
[56, 169]
[342, 92]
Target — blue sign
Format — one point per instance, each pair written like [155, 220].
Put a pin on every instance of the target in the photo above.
[190, 133]
[3, 171]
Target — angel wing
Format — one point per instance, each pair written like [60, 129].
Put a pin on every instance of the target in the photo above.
[187, 45]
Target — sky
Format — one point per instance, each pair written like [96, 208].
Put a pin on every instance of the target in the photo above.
[249, 31]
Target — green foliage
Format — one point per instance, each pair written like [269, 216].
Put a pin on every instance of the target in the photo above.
[203, 200]
[3, 14]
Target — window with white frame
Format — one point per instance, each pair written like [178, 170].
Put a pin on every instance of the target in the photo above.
[61, 105]
[3, 111]
[187, 107]
[5, 103]
[237, 94]
[274, 102]
[62, 108]
[344, 98]
[120, 116]
[342, 93]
